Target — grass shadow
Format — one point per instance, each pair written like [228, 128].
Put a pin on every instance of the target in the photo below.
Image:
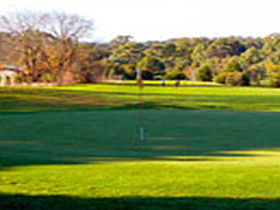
[39, 99]
[81, 137]
[60, 202]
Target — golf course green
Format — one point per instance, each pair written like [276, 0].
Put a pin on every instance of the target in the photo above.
[77, 147]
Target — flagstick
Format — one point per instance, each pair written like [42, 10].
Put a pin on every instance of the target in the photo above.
[141, 108]
[141, 116]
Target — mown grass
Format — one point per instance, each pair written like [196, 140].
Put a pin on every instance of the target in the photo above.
[88, 156]
[125, 96]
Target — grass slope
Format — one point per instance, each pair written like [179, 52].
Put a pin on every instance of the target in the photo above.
[125, 96]
[193, 159]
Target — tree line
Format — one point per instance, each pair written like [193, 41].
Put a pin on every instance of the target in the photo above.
[50, 48]
[232, 60]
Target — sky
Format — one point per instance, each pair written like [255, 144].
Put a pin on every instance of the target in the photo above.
[164, 19]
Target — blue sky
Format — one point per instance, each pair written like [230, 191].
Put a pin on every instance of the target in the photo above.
[164, 19]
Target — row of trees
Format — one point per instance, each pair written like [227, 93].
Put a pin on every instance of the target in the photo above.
[48, 46]
[230, 60]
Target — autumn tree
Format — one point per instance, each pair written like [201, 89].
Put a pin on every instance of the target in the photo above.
[46, 42]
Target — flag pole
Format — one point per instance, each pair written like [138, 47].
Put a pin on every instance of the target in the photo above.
[140, 84]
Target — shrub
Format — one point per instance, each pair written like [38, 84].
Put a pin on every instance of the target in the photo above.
[221, 78]
[274, 82]
[47, 78]
[129, 73]
[237, 79]
[273, 72]
[204, 73]
[148, 75]
[175, 75]
[158, 77]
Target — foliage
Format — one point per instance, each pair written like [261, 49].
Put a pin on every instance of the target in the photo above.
[237, 79]
[46, 43]
[121, 40]
[230, 54]
[257, 73]
[204, 73]
[233, 65]
[224, 47]
[273, 72]
[148, 75]
[175, 75]
[152, 64]
[221, 78]
[198, 54]
[250, 57]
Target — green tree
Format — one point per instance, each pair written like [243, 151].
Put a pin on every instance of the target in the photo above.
[204, 73]
[256, 73]
[198, 54]
[169, 49]
[120, 40]
[221, 78]
[233, 65]
[273, 72]
[224, 47]
[152, 64]
[249, 57]
[128, 53]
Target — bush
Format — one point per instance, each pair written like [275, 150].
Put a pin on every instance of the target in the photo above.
[237, 79]
[273, 72]
[175, 75]
[47, 78]
[158, 77]
[129, 74]
[204, 73]
[148, 75]
[221, 78]
[274, 82]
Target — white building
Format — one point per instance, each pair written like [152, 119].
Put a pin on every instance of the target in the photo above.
[8, 75]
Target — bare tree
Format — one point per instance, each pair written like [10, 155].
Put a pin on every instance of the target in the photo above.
[46, 42]
[68, 30]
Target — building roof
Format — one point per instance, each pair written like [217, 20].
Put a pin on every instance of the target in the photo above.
[10, 67]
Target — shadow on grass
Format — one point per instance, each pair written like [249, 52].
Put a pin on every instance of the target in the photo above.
[82, 137]
[156, 105]
[129, 106]
[76, 135]
[59, 202]
[169, 84]
[39, 99]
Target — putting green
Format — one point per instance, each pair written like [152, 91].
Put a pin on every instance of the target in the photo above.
[94, 157]
[89, 155]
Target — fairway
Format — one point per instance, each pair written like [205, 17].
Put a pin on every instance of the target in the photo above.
[208, 147]
[191, 96]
